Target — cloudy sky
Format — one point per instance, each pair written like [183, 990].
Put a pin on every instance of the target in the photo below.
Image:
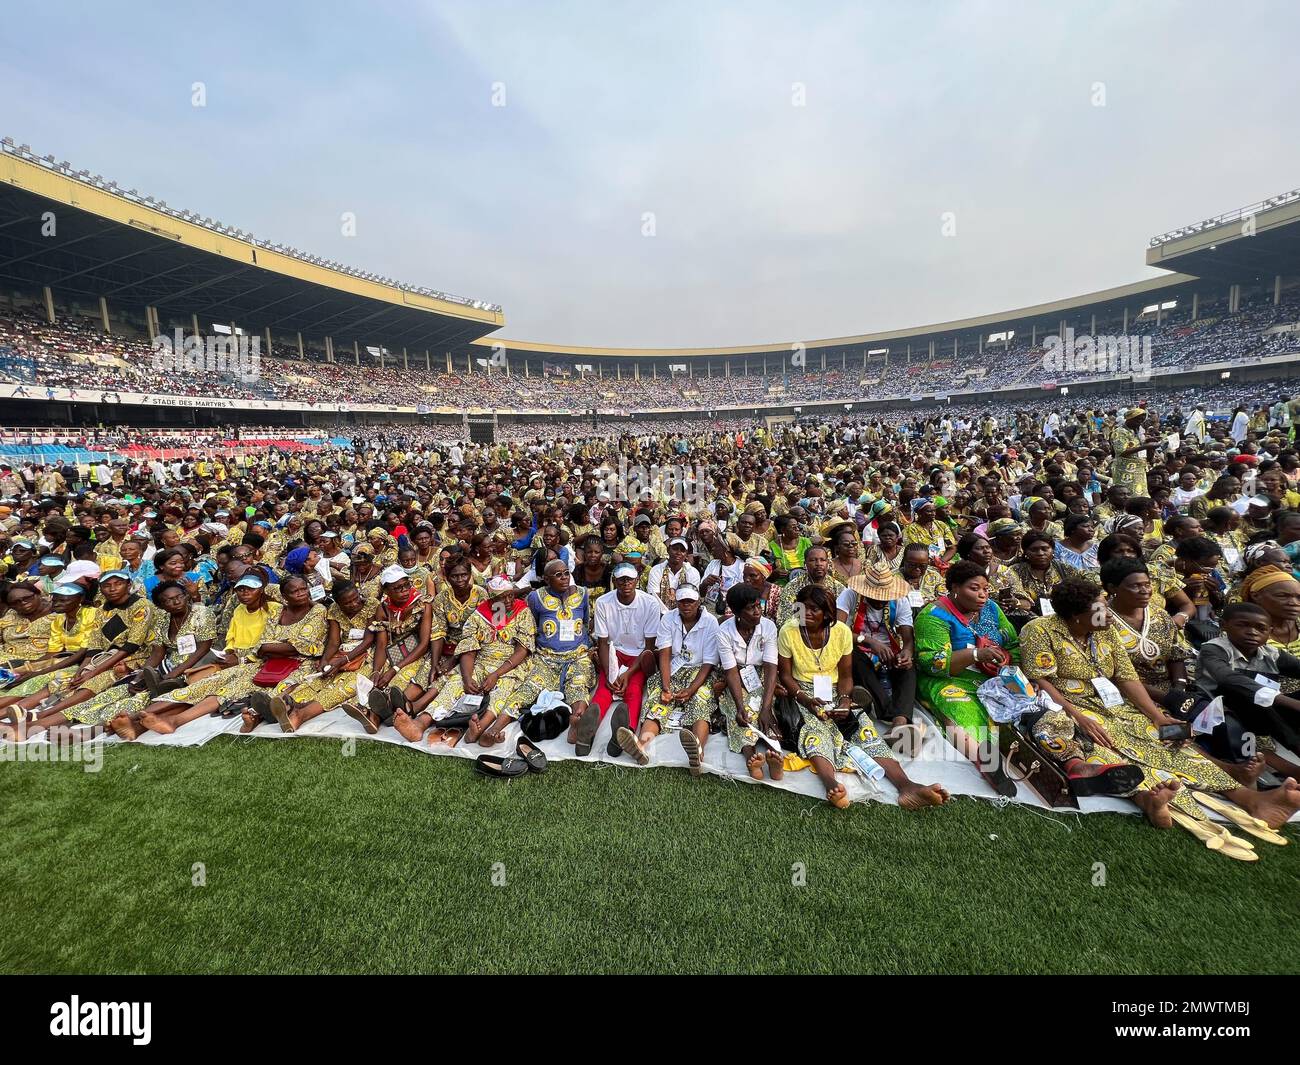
[796, 163]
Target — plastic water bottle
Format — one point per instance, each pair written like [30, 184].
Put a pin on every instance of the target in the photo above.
[868, 767]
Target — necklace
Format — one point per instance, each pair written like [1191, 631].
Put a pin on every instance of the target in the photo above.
[1147, 647]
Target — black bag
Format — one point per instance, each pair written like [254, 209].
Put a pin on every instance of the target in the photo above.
[1198, 631]
[546, 725]
[789, 721]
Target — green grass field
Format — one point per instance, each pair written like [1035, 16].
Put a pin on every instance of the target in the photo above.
[383, 862]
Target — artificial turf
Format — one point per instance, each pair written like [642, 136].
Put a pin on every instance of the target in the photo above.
[383, 861]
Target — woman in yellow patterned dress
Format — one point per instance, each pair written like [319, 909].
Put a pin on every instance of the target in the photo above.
[73, 628]
[491, 653]
[25, 642]
[349, 638]
[260, 632]
[1038, 571]
[119, 645]
[1129, 469]
[1076, 657]
[400, 673]
[1153, 642]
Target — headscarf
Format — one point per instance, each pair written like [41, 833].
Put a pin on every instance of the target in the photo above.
[1262, 578]
[296, 560]
[1254, 552]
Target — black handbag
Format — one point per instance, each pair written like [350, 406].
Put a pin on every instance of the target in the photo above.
[789, 721]
[546, 725]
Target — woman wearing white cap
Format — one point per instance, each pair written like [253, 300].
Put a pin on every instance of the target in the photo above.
[678, 694]
[666, 577]
[401, 667]
[69, 631]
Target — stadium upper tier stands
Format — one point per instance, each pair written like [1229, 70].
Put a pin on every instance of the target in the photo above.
[73, 354]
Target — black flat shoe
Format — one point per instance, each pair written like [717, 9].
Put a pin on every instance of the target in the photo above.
[380, 706]
[532, 754]
[1117, 779]
[618, 718]
[586, 731]
[499, 765]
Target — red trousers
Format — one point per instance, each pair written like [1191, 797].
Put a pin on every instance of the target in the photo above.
[635, 686]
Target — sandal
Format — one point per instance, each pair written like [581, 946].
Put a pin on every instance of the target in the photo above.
[631, 745]
[368, 721]
[498, 765]
[691, 745]
[398, 701]
[452, 736]
[280, 711]
[532, 754]
[436, 735]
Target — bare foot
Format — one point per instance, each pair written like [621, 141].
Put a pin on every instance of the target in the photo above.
[251, 719]
[125, 728]
[914, 796]
[158, 724]
[491, 738]
[754, 763]
[1276, 806]
[406, 726]
[477, 724]
[1246, 773]
[837, 795]
[1155, 803]
[775, 765]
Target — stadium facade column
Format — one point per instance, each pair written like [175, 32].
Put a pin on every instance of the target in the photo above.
[266, 332]
[1277, 289]
[103, 314]
[150, 324]
[302, 357]
[981, 343]
[932, 351]
[1126, 321]
[406, 364]
[329, 349]
[194, 323]
[48, 295]
[469, 362]
[765, 364]
[356, 352]
[1196, 308]
[427, 364]
[636, 371]
[618, 370]
[1093, 328]
[1033, 336]
[954, 348]
[448, 355]
[708, 368]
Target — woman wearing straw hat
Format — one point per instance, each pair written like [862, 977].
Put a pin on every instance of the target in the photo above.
[876, 610]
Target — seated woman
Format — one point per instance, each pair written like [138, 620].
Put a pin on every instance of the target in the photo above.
[678, 694]
[888, 548]
[1273, 588]
[747, 685]
[1154, 645]
[787, 545]
[301, 562]
[880, 618]
[1004, 585]
[1038, 570]
[119, 645]
[925, 529]
[949, 657]
[73, 626]
[349, 639]
[1077, 551]
[757, 576]
[724, 572]
[1166, 586]
[1077, 658]
[403, 622]
[265, 639]
[815, 667]
[499, 636]
[456, 600]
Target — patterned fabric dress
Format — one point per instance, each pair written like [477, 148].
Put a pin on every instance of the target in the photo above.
[1152, 647]
[340, 686]
[22, 641]
[403, 628]
[824, 737]
[128, 626]
[561, 660]
[1128, 470]
[64, 638]
[938, 633]
[1047, 650]
[494, 644]
[306, 635]
[1038, 589]
[785, 608]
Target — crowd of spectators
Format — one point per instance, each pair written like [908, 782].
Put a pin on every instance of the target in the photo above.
[73, 354]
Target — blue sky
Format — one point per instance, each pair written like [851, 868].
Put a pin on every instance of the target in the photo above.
[772, 222]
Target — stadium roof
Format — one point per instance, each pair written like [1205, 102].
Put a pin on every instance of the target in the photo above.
[1251, 243]
[1107, 302]
[135, 252]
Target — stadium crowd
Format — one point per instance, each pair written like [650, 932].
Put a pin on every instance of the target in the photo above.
[73, 354]
[1112, 585]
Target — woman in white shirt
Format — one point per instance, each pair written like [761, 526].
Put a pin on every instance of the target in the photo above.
[721, 575]
[678, 693]
[747, 661]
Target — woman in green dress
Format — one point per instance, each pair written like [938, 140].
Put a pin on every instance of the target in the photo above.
[951, 657]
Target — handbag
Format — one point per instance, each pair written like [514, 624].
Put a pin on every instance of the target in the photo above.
[275, 670]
